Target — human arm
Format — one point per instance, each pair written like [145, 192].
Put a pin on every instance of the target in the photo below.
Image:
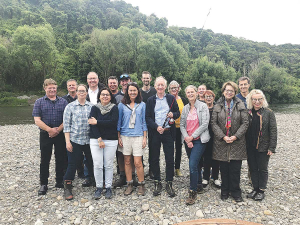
[273, 132]
[51, 131]
[150, 120]
[204, 114]
[218, 132]
[68, 142]
[144, 139]
[94, 128]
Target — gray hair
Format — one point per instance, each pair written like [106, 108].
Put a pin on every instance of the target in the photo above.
[174, 83]
[71, 80]
[191, 86]
[244, 78]
[161, 78]
[82, 85]
[254, 92]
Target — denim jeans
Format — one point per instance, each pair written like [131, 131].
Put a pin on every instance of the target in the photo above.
[103, 157]
[194, 155]
[74, 158]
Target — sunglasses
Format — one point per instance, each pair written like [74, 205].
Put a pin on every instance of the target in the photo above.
[124, 76]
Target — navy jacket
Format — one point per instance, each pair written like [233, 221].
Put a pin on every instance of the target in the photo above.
[150, 115]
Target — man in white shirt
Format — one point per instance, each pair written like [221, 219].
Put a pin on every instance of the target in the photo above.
[94, 87]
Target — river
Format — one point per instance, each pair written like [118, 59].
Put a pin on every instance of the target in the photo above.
[11, 115]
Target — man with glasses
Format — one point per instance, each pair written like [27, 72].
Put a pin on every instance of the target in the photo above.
[244, 85]
[94, 87]
[147, 91]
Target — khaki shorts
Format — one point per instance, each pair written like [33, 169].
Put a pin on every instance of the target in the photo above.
[132, 146]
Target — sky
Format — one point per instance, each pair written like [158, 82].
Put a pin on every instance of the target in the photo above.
[276, 21]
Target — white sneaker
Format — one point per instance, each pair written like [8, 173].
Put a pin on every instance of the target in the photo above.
[217, 183]
[204, 183]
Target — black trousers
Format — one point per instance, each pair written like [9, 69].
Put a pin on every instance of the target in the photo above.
[258, 166]
[210, 163]
[231, 176]
[46, 145]
[178, 147]
[154, 154]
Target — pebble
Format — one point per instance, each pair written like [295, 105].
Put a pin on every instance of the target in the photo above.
[200, 214]
[145, 207]
[268, 212]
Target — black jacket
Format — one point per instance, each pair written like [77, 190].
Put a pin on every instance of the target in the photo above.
[100, 86]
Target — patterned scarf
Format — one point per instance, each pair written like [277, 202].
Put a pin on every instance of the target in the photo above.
[105, 108]
[228, 118]
[132, 116]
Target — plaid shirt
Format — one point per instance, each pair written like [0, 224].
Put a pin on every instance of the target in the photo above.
[51, 112]
[76, 122]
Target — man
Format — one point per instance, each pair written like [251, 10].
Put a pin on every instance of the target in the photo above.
[71, 87]
[244, 85]
[147, 91]
[113, 84]
[124, 80]
[160, 109]
[94, 87]
[48, 116]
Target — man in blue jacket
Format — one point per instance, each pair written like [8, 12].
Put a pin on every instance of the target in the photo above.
[161, 111]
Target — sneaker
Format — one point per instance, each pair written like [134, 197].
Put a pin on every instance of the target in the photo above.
[192, 198]
[98, 193]
[217, 183]
[108, 193]
[170, 189]
[157, 188]
[252, 194]
[205, 183]
[178, 173]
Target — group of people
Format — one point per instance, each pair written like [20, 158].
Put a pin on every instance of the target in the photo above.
[93, 124]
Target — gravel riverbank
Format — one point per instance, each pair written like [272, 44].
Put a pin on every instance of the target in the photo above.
[20, 204]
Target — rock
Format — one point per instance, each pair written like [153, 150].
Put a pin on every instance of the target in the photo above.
[229, 209]
[87, 204]
[200, 214]
[53, 195]
[145, 207]
[75, 203]
[166, 222]
[84, 200]
[77, 221]
[91, 208]
[137, 218]
[59, 198]
[59, 216]
[268, 213]
[38, 222]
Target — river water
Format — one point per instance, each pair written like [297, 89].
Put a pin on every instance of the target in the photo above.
[11, 115]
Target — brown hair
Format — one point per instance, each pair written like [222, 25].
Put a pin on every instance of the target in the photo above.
[232, 84]
[49, 82]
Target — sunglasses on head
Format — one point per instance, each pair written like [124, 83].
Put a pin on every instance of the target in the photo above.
[124, 76]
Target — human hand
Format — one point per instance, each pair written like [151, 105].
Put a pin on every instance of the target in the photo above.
[92, 121]
[269, 153]
[160, 130]
[170, 115]
[188, 139]
[120, 142]
[53, 132]
[144, 142]
[190, 145]
[69, 146]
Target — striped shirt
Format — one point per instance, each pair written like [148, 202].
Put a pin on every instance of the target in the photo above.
[76, 122]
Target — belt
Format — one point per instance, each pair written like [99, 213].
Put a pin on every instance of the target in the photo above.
[166, 129]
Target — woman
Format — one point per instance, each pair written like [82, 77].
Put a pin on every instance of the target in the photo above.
[174, 89]
[209, 163]
[194, 128]
[76, 131]
[104, 140]
[229, 124]
[261, 141]
[132, 135]
[201, 90]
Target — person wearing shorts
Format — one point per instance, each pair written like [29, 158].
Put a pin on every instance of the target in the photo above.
[132, 133]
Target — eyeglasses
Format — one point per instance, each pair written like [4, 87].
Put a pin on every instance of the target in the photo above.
[124, 76]
[93, 78]
[208, 96]
[129, 83]
[81, 91]
[105, 95]
[229, 91]
[174, 88]
[257, 99]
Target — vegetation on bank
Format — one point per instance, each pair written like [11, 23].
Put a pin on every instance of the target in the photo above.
[66, 39]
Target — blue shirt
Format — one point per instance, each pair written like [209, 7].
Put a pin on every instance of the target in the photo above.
[76, 122]
[161, 110]
[240, 96]
[51, 112]
[140, 121]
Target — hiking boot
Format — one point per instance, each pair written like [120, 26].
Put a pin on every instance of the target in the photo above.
[108, 193]
[135, 180]
[157, 188]
[141, 188]
[178, 173]
[59, 184]
[98, 193]
[170, 189]
[200, 189]
[120, 182]
[192, 197]
[68, 190]
[129, 188]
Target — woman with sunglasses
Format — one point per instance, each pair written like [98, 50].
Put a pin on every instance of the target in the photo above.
[261, 141]
[104, 140]
[229, 124]
[132, 135]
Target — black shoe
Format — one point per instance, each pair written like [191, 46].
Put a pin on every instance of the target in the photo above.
[157, 188]
[252, 194]
[135, 181]
[108, 193]
[238, 199]
[259, 196]
[200, 189]
[170, 189]
[88, 182]
[43, 190]
[120, 182]
[224, 197]
[59, 185]
[81, 175]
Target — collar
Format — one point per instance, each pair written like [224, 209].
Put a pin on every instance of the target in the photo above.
[77, 102]
[46, 97]
[91, 91]
[160, 98]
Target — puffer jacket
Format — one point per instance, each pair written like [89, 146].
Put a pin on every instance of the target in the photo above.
[268, 135]
[239, 125]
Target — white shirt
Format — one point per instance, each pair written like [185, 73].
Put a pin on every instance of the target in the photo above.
[93, 96]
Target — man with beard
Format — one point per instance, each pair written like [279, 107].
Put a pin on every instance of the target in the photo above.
[147, 91]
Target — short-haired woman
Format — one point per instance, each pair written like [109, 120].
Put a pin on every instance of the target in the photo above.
[194, 128]
[261, 141]
[132, 134]
[104, 140]
[229, 124]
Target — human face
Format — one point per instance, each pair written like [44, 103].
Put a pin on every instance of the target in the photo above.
[244, 86]
[209, 99]
[257, 101]
[71, 86]
[81, 93]
[113, 85]
[201, 90]
[229, 92]
[51, 91]
[174, 90]
[124, 83]
[105, 97]
[146, 79]
[92, 80]
[132, 92]
[160, 86]
[191, 94]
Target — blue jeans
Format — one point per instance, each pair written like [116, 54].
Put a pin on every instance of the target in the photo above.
[194, 155]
